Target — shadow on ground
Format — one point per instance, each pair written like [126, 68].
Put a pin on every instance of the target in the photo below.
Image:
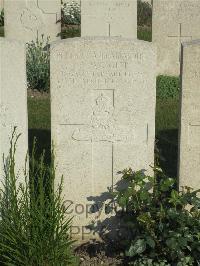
[43, 143]
[167, 144]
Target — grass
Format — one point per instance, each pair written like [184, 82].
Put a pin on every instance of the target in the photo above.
[144, 33]
[39, 124]
[166, 129]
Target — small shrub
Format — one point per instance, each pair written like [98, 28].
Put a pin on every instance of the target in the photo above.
[71, 13]
[144, 15]
[38, 65]
[34, 229]
[168, 87]
[163, 224]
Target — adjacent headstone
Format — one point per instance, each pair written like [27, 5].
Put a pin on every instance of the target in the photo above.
[109, 18]
[103, 95]
[26, 20]
[173, 23]
[13, 102]
[189, 142]
[1, 5]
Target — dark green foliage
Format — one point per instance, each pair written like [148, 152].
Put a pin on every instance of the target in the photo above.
[38, 65]
[168, 87]
[34, 229]
[1, 18]
[163, 224]
[144, 15]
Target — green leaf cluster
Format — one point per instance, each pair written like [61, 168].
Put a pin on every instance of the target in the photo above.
[163, 223]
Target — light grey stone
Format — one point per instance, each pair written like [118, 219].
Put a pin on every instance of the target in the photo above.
[1, 4]
[189, 135]
[25, 20]
[109, 18]
[103, 95]
[13, 102]
[174, 22]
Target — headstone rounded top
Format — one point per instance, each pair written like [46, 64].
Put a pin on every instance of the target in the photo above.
[110, 40]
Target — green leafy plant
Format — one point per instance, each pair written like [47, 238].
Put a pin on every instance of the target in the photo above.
[163, 224]
[149, 262]
[34, 228]
[38, 64]
[168, 87]
[71, 13]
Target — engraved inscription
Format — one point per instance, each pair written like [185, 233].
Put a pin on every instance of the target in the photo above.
[180, 38]
[102, 125]
[103, 67]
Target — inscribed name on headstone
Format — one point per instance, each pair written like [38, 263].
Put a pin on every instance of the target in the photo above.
[189, 142]
[109, 18]
[25, 20]
[173, 23]
[13, 102]
[103, 115]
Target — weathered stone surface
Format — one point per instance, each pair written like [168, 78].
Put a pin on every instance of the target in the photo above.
[26, 20]
[189, 142]
[13, 101]
[109, 18]
[1, 4]
[173, 23]
[103, 115]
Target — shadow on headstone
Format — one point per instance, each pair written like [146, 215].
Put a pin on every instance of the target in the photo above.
[111, 225]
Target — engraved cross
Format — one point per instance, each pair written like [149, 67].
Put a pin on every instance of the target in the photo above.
[180, 38]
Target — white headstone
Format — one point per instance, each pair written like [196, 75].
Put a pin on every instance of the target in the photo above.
[109, 18]
[25, 20]
[189, 143]
[174, 22]
[1, 5]
[13, 101]
[103, 94]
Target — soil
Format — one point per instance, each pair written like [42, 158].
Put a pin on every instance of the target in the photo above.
[97, 254]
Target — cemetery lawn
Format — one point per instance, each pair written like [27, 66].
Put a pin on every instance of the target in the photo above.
[39, 124]
[166, 128]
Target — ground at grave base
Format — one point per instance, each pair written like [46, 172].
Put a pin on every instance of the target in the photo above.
[97, 253]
